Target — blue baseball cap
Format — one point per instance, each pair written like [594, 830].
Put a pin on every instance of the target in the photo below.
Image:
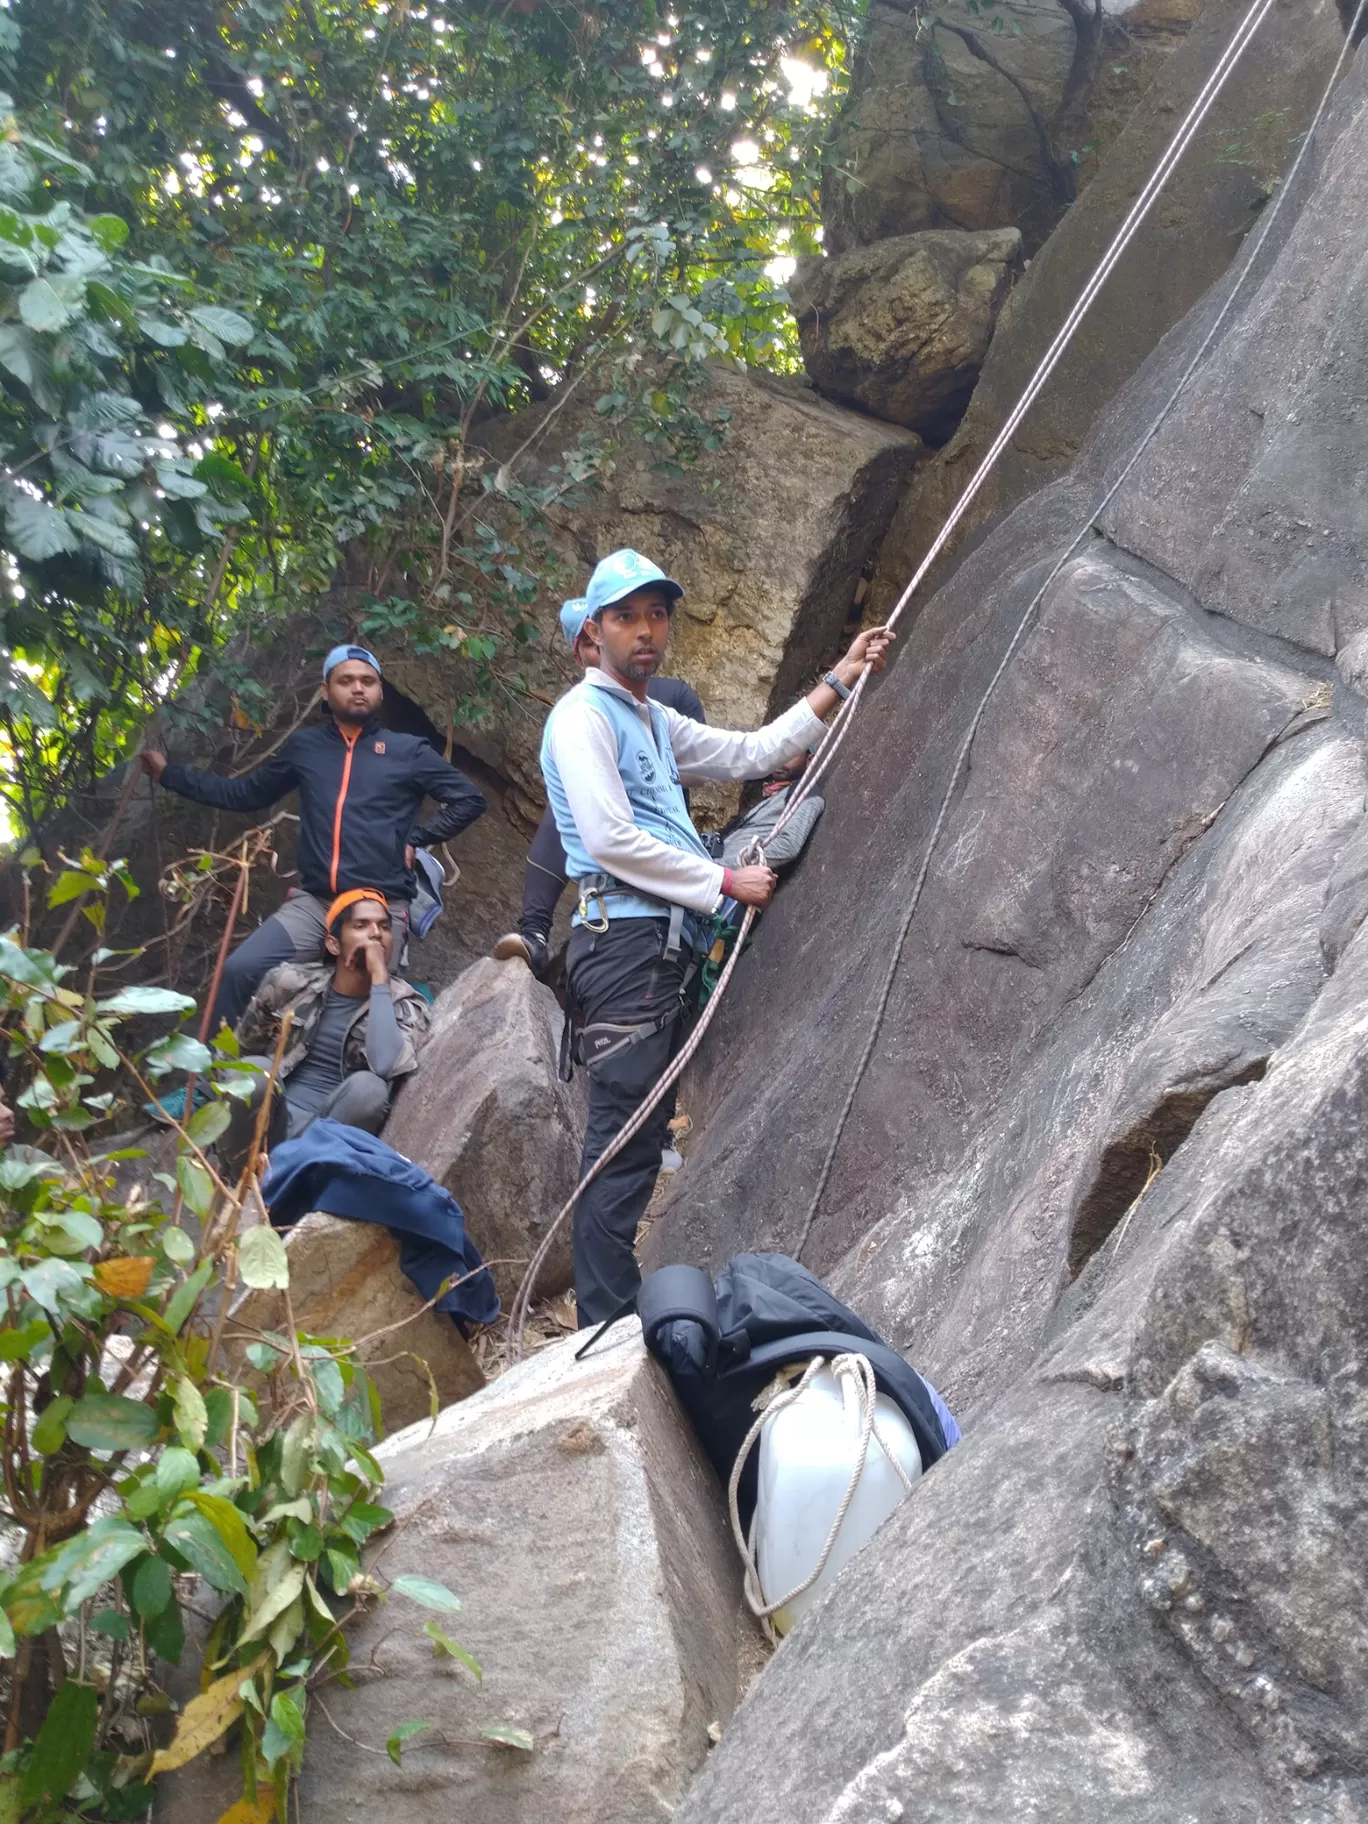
[619, 574]
[339, 653]
[573, 615]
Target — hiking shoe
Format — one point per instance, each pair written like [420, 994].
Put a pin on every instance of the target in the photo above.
[531, 946]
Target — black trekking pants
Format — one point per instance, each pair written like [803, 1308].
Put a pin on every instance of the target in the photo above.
[621, 977]
[545, 879]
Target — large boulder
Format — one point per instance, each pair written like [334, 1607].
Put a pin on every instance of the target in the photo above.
[953, 122]
[1189, 239]
[570, 1510]
[489, 1118]
[901, 328]
[768, 534]
[1104, 1174]
[345, 1280]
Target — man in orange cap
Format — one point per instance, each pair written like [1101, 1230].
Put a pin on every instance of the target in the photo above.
[355, 1030]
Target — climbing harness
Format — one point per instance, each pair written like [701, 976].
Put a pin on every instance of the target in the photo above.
[838, 728]
[858, 1370]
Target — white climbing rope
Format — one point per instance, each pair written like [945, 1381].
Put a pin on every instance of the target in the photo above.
[860, 1372]
[839, 727]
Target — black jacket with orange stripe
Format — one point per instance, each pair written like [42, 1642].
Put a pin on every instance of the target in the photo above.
[359, 797]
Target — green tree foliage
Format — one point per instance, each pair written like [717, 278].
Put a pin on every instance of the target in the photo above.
[426, 215]
[106, 361]
[141, 1453]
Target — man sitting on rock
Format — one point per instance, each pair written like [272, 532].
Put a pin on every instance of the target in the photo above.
[612, 760]
[354, 1032]
[360, 787]
[546, 878]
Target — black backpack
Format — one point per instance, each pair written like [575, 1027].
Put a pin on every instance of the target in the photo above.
[720, 1345]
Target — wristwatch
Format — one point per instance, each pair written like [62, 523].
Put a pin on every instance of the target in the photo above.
[842, 690]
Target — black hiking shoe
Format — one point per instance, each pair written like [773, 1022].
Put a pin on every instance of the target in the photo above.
[531, 946]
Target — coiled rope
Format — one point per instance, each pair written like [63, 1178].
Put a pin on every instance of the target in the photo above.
[860, 1371]
[839, 727]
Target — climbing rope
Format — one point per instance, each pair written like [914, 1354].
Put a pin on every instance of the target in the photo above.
[840, 725]
[1095, 513]
[859, 1371]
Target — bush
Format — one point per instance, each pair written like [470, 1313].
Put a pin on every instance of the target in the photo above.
[138, 1466]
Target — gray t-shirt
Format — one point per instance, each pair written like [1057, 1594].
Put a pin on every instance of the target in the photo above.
[322, 1069]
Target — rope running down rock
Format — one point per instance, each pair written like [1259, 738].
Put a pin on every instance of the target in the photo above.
[841, 723]
[1260, 237]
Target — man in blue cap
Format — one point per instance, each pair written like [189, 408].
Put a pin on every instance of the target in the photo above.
[612, 762]
[360, 787]
[546, 877]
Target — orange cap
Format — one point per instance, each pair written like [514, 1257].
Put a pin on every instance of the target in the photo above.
[343, 900]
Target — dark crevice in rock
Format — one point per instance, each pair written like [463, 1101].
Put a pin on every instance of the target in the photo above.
[820, 626]
[1129, 1163]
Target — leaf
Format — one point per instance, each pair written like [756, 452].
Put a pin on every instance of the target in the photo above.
[127, 1278]
[404, 1733]
[199, 1543]
[207, 1123]
[179, 1052]
[18, 355]
[260, 1810]
[49, 1434]
[164, 334]
[285, 1729]
[151, 1587]
[204, 1719]
[425, 1591]
[139, 998]
[42, 308]
[262, 1260]
[108, 1421]
[230, 1526]
[63, 1745]
[52, 1282]
[504, 1735]
[177, 1246]
[177, 1471]
[98, 531]
[70, 884]
[110, 231]
[186, 1297]
[15, 1344]
[274, 1603]
[341, 1569]
[196, 1186]
[443, 1643]
[81, 1565]
[227, 325]
[192, 1420]
[37, 530]
[112, 1624]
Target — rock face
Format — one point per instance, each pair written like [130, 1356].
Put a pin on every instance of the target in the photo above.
[345, 1280]
[952, 124]
[585, 1535]
[488, 1117]
[1105, 1174]
[901, 328]
[768, 536]
[1190, 238]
